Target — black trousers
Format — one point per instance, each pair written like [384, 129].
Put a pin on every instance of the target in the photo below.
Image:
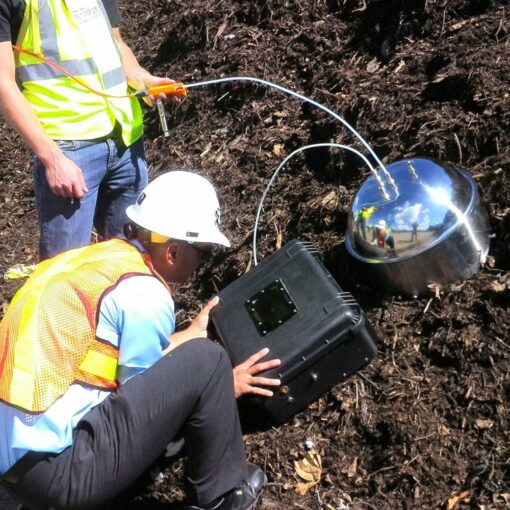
[190, 392]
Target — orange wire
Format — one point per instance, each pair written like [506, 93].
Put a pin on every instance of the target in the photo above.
[67, 73]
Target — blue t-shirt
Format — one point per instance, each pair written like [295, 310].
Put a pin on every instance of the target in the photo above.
[138, 317]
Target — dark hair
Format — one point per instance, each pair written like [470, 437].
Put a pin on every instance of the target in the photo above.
[130, 230]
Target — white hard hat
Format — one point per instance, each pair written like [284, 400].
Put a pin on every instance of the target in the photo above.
[179, 205]
[381, 224]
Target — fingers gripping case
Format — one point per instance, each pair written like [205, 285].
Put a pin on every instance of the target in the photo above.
[291, 304]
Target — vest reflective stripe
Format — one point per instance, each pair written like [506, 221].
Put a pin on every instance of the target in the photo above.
[99, 364]
[47, 32]
[47, 336]
[44, 71]
[22, 384]
[50, 29]
[113, 77]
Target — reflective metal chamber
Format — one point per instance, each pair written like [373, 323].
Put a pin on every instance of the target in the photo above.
[432, 229]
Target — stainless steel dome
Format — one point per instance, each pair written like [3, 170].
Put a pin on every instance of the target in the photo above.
[431, 228]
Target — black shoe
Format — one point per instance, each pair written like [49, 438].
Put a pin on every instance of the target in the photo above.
[243, 497]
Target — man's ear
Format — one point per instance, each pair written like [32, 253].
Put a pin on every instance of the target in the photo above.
[173, 252]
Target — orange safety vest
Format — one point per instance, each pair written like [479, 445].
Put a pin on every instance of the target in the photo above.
[47, 336]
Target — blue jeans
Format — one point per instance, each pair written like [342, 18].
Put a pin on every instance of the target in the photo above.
[114, 175]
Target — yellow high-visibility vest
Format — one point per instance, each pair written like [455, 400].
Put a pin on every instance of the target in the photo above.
[76, 35]
[366, 212]
[48, 334]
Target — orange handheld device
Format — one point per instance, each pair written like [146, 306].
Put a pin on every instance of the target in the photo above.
[170, 89]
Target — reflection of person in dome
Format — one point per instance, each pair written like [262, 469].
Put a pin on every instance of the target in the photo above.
[383, 238]
[414, 233]
[361, 221]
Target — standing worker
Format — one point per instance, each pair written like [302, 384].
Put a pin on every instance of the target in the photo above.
[89, 157]
[94, 381]
[361, 221]
[414, 233]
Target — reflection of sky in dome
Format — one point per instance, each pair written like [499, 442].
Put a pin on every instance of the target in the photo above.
[405, 216]
[426, 200]
[415, 204]
[441, 197]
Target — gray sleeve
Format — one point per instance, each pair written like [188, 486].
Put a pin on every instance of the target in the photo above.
[112, 9]
[6, 20]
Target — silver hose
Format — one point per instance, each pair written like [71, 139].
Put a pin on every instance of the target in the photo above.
[276, 172]
[389, 178]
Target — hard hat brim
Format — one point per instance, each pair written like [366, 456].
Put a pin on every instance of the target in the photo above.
[213, 234]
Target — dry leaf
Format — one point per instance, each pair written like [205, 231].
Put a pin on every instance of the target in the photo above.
[443, 430]
[206, 150]
[458, 26]
[350, 470]
[237, 142]
[279, 238]
[330, 201]
[436, 289]
[400, 66]
[221, 29]
[484, 424]
[347, 403]
[498, 287]
[278, 149]
[309, 469]
[303, 488]
[373, 66]
[455, 499]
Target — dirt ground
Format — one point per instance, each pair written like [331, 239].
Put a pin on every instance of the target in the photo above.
[427, 421]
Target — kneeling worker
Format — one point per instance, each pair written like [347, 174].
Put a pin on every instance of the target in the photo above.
[94, 383]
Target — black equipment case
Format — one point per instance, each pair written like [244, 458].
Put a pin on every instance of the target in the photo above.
[291, 304]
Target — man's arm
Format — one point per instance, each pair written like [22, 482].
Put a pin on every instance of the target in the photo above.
[138, 77]
[197, 329]
[246, 380]
[64, 177]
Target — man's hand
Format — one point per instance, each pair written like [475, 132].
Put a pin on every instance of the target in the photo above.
[154, 81]
[245, 379]
[64, 177]
[145, 80]
[197, 329]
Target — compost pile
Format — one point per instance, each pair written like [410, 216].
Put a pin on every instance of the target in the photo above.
[426, 424]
